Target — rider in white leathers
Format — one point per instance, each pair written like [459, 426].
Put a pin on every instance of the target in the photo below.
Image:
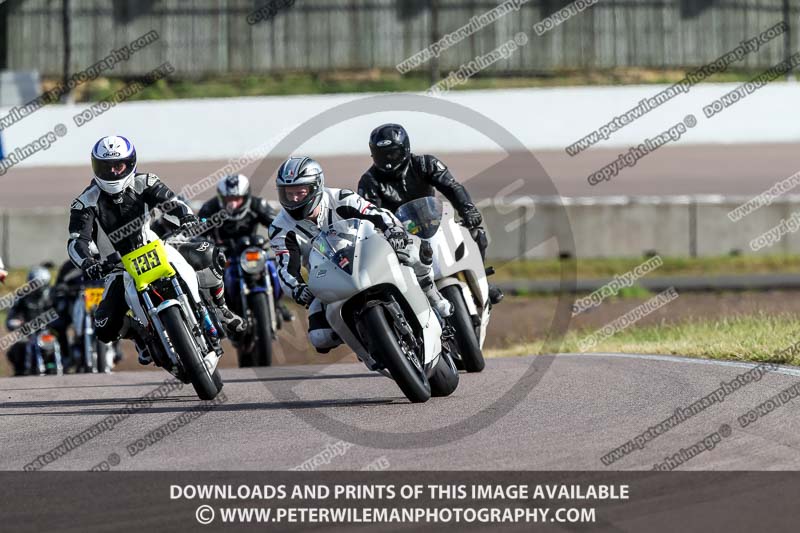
[309, 205]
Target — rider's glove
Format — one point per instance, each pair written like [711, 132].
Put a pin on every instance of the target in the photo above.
[189, 224]
[471, 216]
[93, 269]
[397, 237]
[302, 295]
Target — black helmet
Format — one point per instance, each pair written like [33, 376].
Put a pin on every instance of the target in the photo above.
[390, 147]
[303, 175]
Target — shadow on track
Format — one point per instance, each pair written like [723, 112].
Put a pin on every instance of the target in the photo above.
[180, 406]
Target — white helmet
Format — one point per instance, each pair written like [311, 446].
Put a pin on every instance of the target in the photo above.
[114, 164]
[233, 192]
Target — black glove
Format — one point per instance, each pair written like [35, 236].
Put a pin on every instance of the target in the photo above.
[93, 269]
[302, 295]
[189, 224]
[471, 216]
[397, 237]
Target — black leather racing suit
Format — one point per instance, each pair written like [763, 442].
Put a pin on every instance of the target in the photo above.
[121, 223]
[25, 310]
[234, 226]
[423, 176]
[226, 229]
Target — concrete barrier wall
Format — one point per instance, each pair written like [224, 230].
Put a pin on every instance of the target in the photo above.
[538, 228]
[221, 128]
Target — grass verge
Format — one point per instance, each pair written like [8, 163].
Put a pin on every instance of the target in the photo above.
[289, 83]
[753, 338]
[673, 266]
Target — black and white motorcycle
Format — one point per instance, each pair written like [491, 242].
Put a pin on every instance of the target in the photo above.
[162, 294]
[375, 304]
[458, 271]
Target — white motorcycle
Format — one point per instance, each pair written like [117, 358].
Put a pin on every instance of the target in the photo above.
[376, 306]
[458, 271]
[162, 293]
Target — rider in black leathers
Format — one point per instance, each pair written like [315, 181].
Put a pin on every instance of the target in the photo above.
[114, 212]
[397, 176]
[36, 302]
[243, 212]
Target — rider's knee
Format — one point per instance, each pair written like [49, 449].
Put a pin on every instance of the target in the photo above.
[106, 328]
[204, 256]
[323, 339]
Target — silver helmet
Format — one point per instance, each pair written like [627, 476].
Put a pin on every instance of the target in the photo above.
[300, 184]
[233, 192]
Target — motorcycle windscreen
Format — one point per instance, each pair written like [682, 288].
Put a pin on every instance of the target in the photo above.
[338, 243]
[421, 217]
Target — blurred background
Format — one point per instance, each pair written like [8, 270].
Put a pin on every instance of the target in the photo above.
[198, 85]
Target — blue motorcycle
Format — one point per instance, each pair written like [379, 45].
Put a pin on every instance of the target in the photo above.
[252, 290]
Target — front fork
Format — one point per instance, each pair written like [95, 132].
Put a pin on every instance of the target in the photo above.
[189, 316]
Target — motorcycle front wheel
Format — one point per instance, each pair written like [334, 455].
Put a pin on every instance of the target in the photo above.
[184, 346]
[385, 345]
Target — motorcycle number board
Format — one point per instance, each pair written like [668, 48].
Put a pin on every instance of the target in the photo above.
[148, 264]
[92, 297]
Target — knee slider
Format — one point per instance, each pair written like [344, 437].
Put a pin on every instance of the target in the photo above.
[323, 338]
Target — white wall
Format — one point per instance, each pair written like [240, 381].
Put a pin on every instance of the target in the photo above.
[540, 118]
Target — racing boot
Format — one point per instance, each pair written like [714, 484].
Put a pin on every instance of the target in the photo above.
[495, 294]
[232, 323]
[437, 301]
[286, 313]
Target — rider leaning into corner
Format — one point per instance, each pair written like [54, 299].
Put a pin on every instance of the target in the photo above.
[245, 213]
[307, 206]
[120, 200]
[397, 176]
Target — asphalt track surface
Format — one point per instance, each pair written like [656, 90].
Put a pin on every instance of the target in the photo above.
[568, 412]
[745, 169]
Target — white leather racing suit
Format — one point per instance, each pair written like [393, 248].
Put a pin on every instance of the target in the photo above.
[291, 240]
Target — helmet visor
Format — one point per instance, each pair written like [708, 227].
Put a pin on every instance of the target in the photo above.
[389, 157]
[233, 203]
[292, 196]
[112, 169]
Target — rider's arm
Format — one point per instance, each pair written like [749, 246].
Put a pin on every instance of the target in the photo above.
[437, 174]
[81, 227]
[157, 194]
[351, 205]
[368, 189]
[290, 259]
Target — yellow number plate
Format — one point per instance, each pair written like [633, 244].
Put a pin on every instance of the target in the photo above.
[148, 264]
[92, 297]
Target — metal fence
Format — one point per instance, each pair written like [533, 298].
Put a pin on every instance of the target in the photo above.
[202, 37]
